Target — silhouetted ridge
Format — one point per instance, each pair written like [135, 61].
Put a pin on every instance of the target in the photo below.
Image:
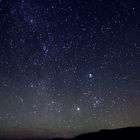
[117, 134]
[132, 133]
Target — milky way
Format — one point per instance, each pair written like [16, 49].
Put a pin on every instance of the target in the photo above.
[69, 66]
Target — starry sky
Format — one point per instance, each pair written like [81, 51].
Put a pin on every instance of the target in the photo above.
[69, 66]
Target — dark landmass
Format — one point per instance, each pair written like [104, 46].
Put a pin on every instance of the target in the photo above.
[132, 133]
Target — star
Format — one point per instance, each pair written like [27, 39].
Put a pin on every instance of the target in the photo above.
[78, 109]
[90, 75]
[32, 85]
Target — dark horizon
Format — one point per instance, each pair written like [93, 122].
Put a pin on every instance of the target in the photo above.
[132, 132]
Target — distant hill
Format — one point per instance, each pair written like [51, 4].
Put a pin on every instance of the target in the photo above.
[132, 133]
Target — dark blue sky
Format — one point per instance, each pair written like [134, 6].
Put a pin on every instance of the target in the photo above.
[69, 66]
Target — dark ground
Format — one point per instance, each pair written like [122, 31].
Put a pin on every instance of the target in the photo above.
[132, 133]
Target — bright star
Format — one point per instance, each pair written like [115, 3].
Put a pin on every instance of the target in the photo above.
[90, 75]
[78, 109]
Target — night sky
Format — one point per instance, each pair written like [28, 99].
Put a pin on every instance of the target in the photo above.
[69, 66]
